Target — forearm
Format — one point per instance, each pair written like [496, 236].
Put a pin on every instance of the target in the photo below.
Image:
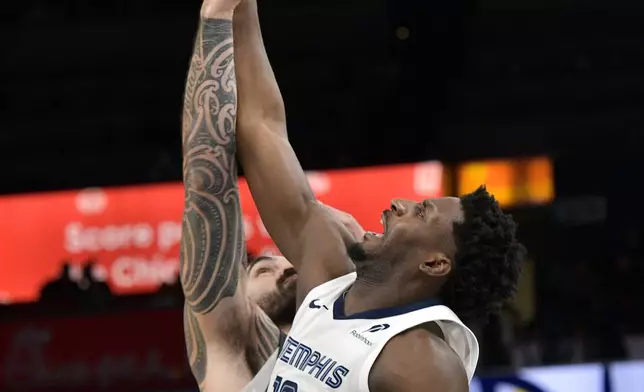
[299, 226]
[211, 243]
[260, 99]
[211, 234]
[278, 184]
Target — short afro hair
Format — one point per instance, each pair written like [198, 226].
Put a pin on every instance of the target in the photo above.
[488, 259]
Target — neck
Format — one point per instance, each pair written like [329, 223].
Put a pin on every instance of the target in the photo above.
[369, 294]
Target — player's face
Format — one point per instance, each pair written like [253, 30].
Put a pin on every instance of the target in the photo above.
[423, 227]
[271, 284]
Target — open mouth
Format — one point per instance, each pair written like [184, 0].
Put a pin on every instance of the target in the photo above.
[383, 222]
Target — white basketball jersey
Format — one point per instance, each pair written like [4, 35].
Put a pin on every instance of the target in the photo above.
[328, 351]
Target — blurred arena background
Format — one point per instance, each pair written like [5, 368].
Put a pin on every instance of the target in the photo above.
[541, 100]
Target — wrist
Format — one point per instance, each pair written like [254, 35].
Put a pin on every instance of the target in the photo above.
[213, 11]
[246, 7]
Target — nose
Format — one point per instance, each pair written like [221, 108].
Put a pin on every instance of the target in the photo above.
[398, 207]
[287, 273]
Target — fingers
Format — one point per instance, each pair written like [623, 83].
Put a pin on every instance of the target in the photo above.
[346, 219]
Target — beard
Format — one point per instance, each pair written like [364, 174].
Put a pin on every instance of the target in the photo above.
[371, 265]
[279, 305]
[357, 252]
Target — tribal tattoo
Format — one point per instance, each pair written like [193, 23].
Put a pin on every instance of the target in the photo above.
[213, 251]
[267, 337]
[212, 242]
[195, 344]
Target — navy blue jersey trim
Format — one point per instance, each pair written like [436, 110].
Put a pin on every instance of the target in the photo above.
[338, 310]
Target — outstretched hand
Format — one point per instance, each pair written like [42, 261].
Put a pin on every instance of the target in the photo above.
[347, 220]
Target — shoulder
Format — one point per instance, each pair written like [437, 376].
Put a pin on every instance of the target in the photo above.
[415, 360]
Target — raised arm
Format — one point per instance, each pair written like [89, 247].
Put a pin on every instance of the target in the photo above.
[307, 235]
[221, 325]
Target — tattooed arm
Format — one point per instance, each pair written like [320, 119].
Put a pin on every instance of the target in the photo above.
[308, 236]
[227, 336]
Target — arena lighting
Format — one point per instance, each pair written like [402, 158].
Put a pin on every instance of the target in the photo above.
[514, 182]
[565, 378]
[402, 33]
[591, 377]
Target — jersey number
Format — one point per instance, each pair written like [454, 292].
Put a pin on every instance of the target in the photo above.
[281, 385]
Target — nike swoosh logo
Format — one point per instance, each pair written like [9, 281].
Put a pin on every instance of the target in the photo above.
[313, 305]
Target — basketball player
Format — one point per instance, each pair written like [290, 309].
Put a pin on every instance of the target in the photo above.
[228, 336]
[390, 325]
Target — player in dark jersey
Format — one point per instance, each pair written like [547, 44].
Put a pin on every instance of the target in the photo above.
[228, 336]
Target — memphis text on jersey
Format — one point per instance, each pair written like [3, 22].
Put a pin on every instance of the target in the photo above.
[313, 362]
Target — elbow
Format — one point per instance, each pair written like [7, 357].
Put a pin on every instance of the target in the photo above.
[260, 130]
[276, 111]
[269, 117]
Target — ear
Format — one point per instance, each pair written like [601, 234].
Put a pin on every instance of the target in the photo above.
[437, 264]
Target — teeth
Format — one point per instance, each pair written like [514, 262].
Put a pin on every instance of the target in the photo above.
[375, 234]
